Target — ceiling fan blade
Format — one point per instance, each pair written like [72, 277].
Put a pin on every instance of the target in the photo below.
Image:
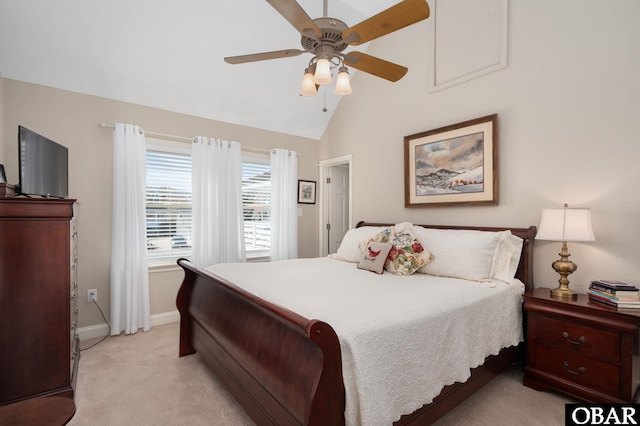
[401, 15]
[295, 14]
[372, 65]
[263, 56]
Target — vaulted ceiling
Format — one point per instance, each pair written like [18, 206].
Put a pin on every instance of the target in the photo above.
[169, 54]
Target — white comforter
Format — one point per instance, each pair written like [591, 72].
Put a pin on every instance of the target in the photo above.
[403, 338]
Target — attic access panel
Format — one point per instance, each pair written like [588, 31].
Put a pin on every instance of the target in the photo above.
[468, 40]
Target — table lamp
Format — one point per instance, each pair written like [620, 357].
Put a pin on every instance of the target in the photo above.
[565, 224]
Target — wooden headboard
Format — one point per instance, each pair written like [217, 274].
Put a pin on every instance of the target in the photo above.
[525, 267]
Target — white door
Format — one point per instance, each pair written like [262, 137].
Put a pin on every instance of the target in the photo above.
[338, 206]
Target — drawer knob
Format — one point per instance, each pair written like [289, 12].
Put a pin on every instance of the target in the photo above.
[581, 340]
[577, 373]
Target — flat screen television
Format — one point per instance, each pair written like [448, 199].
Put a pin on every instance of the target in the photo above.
[43, 167]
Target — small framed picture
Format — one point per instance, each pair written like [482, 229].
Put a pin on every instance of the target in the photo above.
[3, 177]
[306, 192]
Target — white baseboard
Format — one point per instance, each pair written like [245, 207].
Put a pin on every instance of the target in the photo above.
[165, 318]
[101, 330]
[93, 331]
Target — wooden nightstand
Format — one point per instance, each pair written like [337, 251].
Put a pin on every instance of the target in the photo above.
[584, 349]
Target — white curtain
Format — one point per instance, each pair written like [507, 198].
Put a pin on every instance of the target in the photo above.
[284, 204]
[129, 272]
[218, 226]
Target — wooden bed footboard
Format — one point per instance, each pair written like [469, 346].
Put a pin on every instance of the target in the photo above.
[284, 369]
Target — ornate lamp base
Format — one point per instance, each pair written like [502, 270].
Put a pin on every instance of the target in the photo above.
[564, 267]
[564, 293]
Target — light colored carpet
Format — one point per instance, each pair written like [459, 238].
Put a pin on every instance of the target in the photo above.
[140, 380]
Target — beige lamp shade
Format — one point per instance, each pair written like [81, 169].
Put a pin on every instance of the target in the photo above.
[566, 224]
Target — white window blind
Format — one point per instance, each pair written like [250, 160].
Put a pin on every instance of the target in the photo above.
[168, 202]
[256, 206]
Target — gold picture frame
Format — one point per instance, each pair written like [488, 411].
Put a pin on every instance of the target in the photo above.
[455, 165]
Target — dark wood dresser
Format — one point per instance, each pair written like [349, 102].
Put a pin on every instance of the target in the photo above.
[39, 348]
[581, 348]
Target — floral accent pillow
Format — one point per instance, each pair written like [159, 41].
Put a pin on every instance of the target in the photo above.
[407, 255]
[375, 255]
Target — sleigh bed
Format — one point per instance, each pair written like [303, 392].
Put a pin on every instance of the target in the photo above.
[286, 368]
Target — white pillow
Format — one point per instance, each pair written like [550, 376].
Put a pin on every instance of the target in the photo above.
[467, 254]
[349, 250]
[506, 262]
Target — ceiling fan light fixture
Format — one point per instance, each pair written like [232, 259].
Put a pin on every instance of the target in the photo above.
[308, 87]
[326, 38]
[343, 86]
[323, 72]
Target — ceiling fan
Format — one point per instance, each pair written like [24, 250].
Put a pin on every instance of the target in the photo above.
[326, 38]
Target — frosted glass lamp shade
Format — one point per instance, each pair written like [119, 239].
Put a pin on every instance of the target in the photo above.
[566, 224]
[323, 72]
[343, 86]
[308, 87]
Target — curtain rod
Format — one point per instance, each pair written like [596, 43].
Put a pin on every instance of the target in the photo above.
[186, 139]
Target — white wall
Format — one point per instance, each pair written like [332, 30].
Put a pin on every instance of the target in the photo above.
[568, 105]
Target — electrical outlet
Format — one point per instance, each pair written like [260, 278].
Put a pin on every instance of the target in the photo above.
[92, 295]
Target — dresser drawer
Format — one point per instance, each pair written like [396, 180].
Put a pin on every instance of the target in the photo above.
[579, 369]
[580, 338]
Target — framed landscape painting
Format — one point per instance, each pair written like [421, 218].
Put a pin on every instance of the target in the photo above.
[454, 165]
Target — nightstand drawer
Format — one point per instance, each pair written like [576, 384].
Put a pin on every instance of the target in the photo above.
[588, 341]
[579, 369]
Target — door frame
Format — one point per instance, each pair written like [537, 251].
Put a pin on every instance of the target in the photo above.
[324, 197]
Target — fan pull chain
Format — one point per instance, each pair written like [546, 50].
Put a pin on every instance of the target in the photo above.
[324, 91]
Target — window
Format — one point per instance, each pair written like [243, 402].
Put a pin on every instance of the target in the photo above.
[256, 206]
[168, 203]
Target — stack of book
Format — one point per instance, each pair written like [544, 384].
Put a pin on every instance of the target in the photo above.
[614, 293]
